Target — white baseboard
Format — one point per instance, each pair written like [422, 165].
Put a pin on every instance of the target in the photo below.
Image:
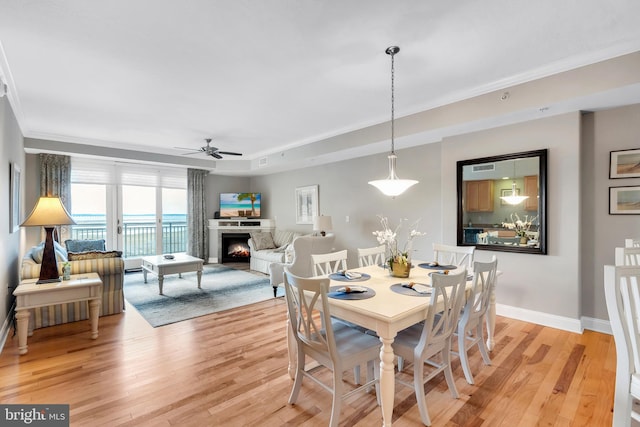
[213, 260]
[6, 327]
[539, 318]
[597, 325]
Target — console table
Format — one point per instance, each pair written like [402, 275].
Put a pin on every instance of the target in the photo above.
[80, 287]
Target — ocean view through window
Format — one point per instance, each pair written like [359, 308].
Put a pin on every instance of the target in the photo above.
[139, 232]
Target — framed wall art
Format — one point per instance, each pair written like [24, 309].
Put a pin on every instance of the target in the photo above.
[306, 204]
[625, 164]
[14, 198]
[624, 200]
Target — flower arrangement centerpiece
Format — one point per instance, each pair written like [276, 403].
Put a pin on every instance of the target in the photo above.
[398, 260]
[520, 226]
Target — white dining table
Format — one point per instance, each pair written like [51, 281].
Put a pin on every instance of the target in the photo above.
[387, 313]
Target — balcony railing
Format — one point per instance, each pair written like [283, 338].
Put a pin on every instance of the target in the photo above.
[139, 238]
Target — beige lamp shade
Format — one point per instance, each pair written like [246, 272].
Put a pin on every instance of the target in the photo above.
[49, 211]
[322, 223]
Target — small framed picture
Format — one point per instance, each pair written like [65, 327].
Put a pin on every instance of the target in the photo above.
[14, 195]
[506, 192]
[625, 164]
[306, 204]
[624, 200]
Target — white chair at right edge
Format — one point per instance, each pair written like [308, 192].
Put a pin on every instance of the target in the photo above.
[622, 294]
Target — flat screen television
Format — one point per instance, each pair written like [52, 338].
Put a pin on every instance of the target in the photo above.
[239, 205]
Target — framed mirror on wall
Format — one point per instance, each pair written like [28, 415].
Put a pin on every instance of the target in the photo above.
[502, 202]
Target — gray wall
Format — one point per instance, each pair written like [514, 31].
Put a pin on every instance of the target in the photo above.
[528, 280]
[548, 284]
[11, 151]
[603, 132]
[343, 191]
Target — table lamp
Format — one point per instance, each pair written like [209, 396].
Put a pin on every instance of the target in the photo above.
[48, 213]
[322, 224]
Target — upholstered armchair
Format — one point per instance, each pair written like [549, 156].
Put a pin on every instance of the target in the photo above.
[302, 265]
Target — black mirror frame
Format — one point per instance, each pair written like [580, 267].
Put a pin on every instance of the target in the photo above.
[542, 177]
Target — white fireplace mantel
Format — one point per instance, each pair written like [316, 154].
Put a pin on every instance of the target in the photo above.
[217, 227]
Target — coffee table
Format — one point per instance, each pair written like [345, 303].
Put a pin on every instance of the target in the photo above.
[180, 263]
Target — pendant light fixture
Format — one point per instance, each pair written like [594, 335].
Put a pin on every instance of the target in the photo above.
[514, 199]
[392, 185]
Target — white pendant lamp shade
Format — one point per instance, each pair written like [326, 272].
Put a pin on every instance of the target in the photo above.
[514, 199]
[392, 185]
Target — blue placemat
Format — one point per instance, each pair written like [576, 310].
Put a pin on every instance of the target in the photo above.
[399, 289]
[437, 267]
[342, 278]
[333, 293]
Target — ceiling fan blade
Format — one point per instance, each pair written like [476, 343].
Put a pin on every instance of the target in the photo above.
[184, 148]
[191, 153]
[216, 155]
[230, 153]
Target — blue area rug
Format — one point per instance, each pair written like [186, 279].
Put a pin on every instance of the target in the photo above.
[223, 288]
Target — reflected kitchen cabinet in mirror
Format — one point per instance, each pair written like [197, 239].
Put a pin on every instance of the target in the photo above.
[501, 202]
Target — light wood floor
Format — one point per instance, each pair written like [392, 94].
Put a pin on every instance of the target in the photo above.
[230, 369]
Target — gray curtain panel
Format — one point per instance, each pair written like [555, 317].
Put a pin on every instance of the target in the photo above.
[55, 180]
[198, 242]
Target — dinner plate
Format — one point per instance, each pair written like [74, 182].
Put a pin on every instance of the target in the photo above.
[437, 267]
[337, 292]
[342, 278]
[404, 290]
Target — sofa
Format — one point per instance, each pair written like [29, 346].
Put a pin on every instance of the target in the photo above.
[108, 264]
[267, 247]
[301, 264]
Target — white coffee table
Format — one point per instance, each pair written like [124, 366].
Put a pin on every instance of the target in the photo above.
[80, 287]
[160, 266]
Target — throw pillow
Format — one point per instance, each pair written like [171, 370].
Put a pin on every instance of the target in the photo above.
[37, 251]
[84, 245]
[73, 256]
[262, 240]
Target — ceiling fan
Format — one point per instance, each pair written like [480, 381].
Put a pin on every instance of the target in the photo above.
[209, 151]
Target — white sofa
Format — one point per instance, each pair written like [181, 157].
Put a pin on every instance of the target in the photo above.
[270, 247]
[302, 264]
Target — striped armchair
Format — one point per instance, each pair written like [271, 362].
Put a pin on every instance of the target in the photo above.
[111, 272]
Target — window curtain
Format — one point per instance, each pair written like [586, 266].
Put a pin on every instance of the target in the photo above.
[55, 180]
[197, 242]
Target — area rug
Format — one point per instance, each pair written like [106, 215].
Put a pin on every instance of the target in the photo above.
[222, 288]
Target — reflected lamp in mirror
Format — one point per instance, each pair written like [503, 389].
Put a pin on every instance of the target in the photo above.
[515, 219]
[49, 212]
[322, 224]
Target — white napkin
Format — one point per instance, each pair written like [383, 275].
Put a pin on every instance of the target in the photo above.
[421, 289]
[352, 289]
[352, 275]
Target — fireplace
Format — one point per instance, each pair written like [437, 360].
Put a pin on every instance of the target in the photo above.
[235, 248]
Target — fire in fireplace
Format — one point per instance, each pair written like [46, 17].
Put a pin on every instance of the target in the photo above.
[235, 247]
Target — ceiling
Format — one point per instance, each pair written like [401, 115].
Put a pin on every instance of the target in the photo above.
[266, 78]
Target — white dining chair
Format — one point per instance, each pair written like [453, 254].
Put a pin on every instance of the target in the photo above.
[454, 255]
[422, 342]
[632, 243]
[333, 344]
[627, 256]
[325, 264]
[371, 256]
[471, 323]
[622, 295]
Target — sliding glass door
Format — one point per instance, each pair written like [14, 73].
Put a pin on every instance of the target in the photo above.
[138, 220]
